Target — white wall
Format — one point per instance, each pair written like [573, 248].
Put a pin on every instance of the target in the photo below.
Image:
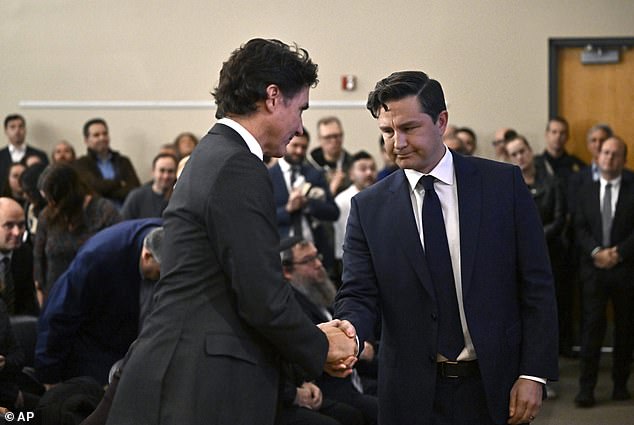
[490, 56]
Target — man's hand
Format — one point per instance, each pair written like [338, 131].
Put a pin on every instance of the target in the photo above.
[336, 179]
[3, 362]
[296, 201]
[526, 401]
[606, 258]
[309, 396]
[342, 347]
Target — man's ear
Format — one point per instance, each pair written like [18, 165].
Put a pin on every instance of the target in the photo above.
[273, 97]
[442, 121]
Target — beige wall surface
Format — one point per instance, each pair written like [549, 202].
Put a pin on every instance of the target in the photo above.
[490, 56]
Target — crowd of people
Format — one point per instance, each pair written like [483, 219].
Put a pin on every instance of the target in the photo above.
[81, 243]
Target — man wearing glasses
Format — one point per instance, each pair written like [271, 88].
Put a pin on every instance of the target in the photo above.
[330, 155]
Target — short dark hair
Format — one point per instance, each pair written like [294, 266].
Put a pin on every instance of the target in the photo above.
[13, 117]
[467, 130]
[360, 156]
[164, 155]
[254, 66]
[93, 122]
[408, 83]
[558, 119]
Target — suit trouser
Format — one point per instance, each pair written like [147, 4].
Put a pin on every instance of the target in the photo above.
[460, 401]
[596, 293]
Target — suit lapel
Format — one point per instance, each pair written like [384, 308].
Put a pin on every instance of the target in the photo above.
[408, 237]
[469, 184]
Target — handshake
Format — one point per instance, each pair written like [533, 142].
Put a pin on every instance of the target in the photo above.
[342, 347]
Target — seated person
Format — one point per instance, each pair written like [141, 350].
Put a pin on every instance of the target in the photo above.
[151, 199]
[315, 292]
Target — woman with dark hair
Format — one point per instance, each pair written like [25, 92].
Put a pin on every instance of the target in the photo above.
[72, 215]
[12, 188]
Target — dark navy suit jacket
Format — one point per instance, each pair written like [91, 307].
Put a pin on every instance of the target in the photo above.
[507, 285]
[91, 315]
[322, 210]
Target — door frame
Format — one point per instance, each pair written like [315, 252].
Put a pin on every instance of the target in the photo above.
[554, 44]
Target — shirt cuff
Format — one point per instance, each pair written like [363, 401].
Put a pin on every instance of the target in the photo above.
[594, 251]
[533, 378]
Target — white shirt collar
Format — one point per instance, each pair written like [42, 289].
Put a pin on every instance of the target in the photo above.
[443, 171]
[284, 165]
[251, 142]
[614, 182]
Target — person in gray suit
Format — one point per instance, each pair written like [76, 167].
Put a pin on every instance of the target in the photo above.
[211, 349]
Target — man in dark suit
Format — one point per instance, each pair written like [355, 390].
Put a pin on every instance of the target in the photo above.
[17, 150]
[303, 200]
[456, 271]
[210, 351]
[16, 261]
[604, 227]
[92, 313]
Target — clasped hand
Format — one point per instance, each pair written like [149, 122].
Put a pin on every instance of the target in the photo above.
[606, 258]
[342, 347]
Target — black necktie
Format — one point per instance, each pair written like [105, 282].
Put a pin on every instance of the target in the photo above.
[296, 217]
[606, 215]
[450, 337]
[8, 289]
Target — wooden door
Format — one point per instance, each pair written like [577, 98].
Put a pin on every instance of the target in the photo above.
[591, 94]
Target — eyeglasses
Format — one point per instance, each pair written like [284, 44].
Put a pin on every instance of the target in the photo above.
[497, 142]
[335, 136]
[309, 260]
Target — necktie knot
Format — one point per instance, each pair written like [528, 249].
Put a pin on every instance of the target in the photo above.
[427, 182]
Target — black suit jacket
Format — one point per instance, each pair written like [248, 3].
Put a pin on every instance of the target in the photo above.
[589, 229]
[6, 161]
[209, 352]
[22, 269]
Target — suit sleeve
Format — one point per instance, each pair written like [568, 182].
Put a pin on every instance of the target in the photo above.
[539, 352]
[583, 228]
[240, 208]
[358, 298]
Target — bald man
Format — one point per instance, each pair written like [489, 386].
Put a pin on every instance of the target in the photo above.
[16, 261]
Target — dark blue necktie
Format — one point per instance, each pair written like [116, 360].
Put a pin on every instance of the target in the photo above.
[450, 337]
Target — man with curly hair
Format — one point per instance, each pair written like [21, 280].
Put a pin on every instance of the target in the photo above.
[210, 351]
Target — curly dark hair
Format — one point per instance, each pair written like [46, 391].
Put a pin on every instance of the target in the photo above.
[65, 193]
[256, 65]
[408, 83]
